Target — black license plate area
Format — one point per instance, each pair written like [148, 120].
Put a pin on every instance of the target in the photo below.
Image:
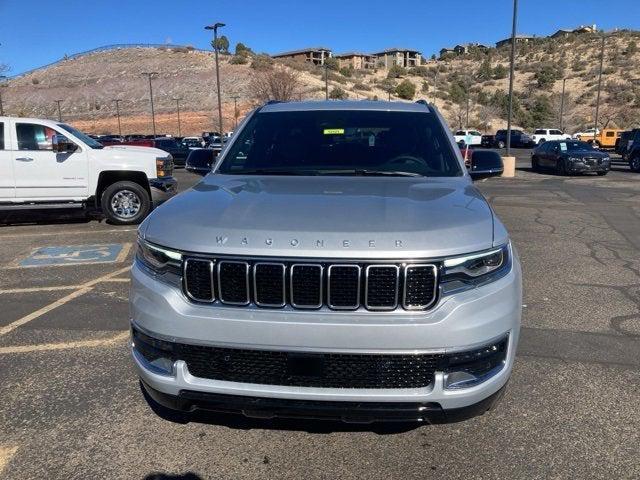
[305, 365]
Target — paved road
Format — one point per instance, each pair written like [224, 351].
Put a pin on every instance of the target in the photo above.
[70, 405]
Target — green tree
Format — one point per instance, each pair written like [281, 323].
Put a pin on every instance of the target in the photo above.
[406, 90]
[337, 93]
[222, 44]
[396, 71]
[262, 62]
[243, 50]
[346, 71]
[485, 71]
[540, 112]
[500, 71]
[546, 76]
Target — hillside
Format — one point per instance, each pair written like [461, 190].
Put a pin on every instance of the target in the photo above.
[88, 84]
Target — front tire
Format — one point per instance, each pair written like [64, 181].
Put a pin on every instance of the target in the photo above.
[634, 163]
[125, 203]
[602, 174]
[535, 166]
[501, 144]
[561, 168]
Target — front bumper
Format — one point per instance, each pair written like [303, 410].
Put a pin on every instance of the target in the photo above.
[458, 322]
[583, 167]
[162, 189]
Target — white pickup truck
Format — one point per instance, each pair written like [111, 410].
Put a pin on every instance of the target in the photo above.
[51, 165]
[469, 137]
[541, 135]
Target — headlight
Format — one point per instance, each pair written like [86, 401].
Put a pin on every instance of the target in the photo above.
[164, 166]
[574, 159]
[469, 271]
[162, 262]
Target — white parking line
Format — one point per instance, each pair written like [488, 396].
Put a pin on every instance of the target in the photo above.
[100, 342]
[81, 232]
[82, 289]
[6, 453]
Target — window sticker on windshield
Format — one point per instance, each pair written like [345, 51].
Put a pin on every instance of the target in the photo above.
[334, 131]
[372, 140]
[563, 146]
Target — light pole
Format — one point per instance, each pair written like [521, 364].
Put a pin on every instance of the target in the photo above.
[59, 111]
[2, 85]
[595, 126]
[177, 100]
[153, 113]
[235, 111]
[511, 74]
[215, 28]
[564, 82]
[326, 82]
[117, 102]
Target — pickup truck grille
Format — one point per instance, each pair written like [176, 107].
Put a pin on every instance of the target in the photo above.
[314, 285]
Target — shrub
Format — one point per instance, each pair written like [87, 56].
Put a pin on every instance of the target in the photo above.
[631, 48]
[346, 71]
[242, 49]
[546, 76]
[361, 86]
[262, 62]
[420, 71]
[239, 60]
[396, 71]
[406, 90]
[337, 93]
[500, 71]
[35, 81]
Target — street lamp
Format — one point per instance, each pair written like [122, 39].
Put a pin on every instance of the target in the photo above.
[117, 102]
[595, 126]
[2, 85]
[59, 111]
[326, 82]
[235, 111]
[177, 100]
[511, 74]
[564, 83]
[215, 28]
[153, 113]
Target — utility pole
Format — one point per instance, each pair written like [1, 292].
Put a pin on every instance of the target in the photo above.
[177, 100]
[2, 85]
[235, 111]
[215, 28]
[564, 82]
[511, 74]
[595, 126]
[153, 113]
[59, 111]
[326, 82]
[117, 102]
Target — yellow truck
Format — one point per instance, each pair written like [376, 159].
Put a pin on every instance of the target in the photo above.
[603, 139]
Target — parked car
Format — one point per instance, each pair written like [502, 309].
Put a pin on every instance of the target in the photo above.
[542, 135]
[488, 141]
[337, 275]
[50, 165]
[201, 160]
[168, 144]
[632, 153]
[569, 157]
[519, 139]
[469, 137]
[586, 133]
[193, 142]
[605, 139]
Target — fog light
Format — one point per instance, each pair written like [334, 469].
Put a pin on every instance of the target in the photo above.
[472, 367]
[155, 355]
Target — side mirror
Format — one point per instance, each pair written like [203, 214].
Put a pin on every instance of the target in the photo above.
[485, 163]
[62, 144]
[200, 161]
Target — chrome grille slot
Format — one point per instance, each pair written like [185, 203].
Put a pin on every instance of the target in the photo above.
[420, 286]
[381, 287]
[343, 287]
[198, 280]
[269, 284]
[306, 285]
[233, 282]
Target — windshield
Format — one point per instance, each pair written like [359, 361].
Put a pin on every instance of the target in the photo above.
[81, 136]
[166, 144]
[575, 146]
[342, 142]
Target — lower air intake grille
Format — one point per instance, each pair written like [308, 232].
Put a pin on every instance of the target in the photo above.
[331, 370]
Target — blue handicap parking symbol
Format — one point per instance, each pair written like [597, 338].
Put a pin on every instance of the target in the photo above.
[73, 254]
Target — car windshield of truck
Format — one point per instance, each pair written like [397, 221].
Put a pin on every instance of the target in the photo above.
[342, 142]
[575, 146]
[166, 144]
[96, 145]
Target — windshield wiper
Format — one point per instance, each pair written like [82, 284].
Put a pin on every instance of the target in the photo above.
[364, 172]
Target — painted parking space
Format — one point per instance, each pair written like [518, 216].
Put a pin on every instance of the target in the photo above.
[76, 255]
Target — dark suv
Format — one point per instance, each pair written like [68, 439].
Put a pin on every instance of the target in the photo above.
[519, 139]
[632, 152]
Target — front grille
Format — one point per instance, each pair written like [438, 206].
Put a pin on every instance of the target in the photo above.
[327, 370]
[338, 286]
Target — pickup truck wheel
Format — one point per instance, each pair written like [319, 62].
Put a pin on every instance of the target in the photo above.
[125, 203]
[634, 163]
[501, 144]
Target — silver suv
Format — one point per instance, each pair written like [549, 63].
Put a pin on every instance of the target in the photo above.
[336, 263]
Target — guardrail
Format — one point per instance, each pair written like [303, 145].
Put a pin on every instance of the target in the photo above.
[106, 48]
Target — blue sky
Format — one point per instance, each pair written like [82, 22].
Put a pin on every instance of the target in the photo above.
[35, 32]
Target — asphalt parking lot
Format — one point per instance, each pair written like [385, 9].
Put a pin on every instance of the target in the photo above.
[71, 406]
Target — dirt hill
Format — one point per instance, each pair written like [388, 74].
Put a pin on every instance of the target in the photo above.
[88, 84]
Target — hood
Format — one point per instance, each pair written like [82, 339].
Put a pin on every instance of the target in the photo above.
[333, 217]
[156, 152]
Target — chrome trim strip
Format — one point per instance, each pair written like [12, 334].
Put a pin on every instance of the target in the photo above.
[366, 287]
[246, 276]
[404, 287]
[344, 307]
[284, 285]
[185, 283]
[315, 265]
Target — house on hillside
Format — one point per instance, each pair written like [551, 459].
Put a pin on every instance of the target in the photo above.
[562, 33]
[519, 39]
[446, 51]
[404, 57]
[315, 55]
[356, 60]
[463, 49]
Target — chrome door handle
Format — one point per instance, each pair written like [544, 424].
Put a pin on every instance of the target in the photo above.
[24, 159]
